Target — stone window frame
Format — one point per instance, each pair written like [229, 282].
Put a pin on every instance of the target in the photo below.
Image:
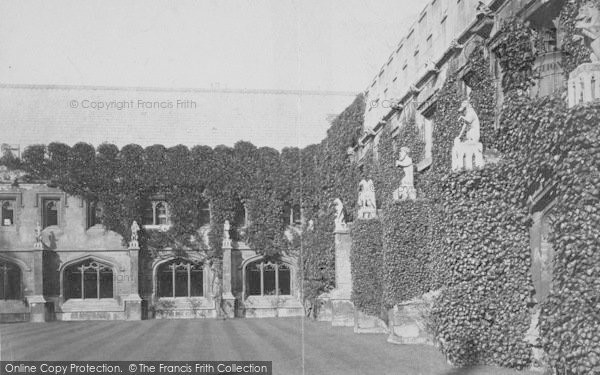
[289, 216]
[17, 198]
[188, 263]
[87, 204]
[155, 201]
[64, 282]
[207, 276]
[208, 208]
[62, 205]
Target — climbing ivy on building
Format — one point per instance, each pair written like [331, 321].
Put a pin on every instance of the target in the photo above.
[367, 262]
[516, 53]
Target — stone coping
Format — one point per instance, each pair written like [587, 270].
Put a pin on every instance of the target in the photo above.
[195, 303]
[271, 301]
[102, 304]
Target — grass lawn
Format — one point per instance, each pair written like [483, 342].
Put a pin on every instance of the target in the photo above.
[321, 349]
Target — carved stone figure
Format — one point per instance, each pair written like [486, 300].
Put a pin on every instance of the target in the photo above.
[470, 152]
[226, 236]
[311, 225]
[588, 25]
[135, 228]
[483, 10]
[407, 188]
[431, 67]
[340, 217]
[367, 206]
[38, 237]
[471, 119]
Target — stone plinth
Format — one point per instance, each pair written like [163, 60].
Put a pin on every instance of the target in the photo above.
[227, 302]
[133, 307]
[539, 360]
[404, 193]
[367, 213]
[584, 84]
[407, 321]
[323, 306]
[39, 309]
[364, 323]
[272, 306]
[342, 308]
[467, 155]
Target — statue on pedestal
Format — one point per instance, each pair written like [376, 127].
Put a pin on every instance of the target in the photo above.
[226, 236]
[134, 243]
[407, 184]
[463, 153]
[471, 119]
[340, 217]
[367, 206]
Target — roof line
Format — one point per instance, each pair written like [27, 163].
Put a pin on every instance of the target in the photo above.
[184, 89]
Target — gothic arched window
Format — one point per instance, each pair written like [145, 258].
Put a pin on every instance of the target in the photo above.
[267, 278]
[10, 281]
[88, 279]
[180, 278]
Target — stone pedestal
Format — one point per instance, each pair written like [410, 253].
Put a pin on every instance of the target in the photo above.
[227, 299]
[342, 308]
[40, 310]
[133, 302]
[367, 213]
[364, 323]
[539, 360]
[323, 306]
[407, 321]
[133, 307]
[584, 84]
[404, 193]
[467, 155]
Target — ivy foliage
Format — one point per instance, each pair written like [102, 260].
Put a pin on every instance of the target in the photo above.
[126, 180]
[482, 315]
[516, 53]
[569, 320]
[406, 256]
[367, 262]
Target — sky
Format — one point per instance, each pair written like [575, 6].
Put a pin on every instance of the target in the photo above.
[311, 45]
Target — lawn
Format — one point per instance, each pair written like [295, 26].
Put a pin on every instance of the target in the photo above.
[295, 346]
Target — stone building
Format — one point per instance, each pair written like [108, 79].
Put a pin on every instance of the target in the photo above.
[57, 262]
[439, 42]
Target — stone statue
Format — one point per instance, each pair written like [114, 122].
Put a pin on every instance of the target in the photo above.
[38, 237]
[340, 217]
[407, 184]
[463, 153]
[226, 229]
[471, 119]
[483, 10]
[367, 206]
[311, 225]
[216, 284]
[431, 67]
[135, 228]
[588, 25]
